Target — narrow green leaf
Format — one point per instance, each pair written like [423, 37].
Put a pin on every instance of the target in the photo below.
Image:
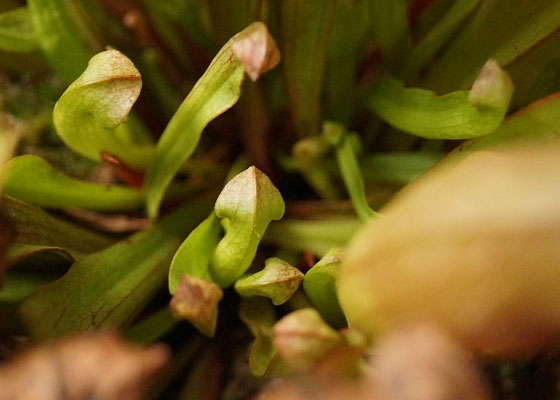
[304, 30]
[535, 123]
[457, 115]
[195, 253]
[18, 254]
[277, 281]
[398, 167]
[259, 316]
[230, 17]
[390, 30]
[109, 288]
[352, 176]
[247, 203]
[157, 84]
[350, 30]
[166, 25]
[498, 31]
[315, 236]
[438, 36]
[152, 328]
[536, 74]
[89, 116]
[33, 180]
[319, 284]
[36, 230]
[17, 286]
[17, 32]
[430, 15]
[171, 19]
[214, 93]
[349, 168]
[65, 34]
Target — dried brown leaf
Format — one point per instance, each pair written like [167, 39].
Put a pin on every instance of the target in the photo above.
[97, 366]
[302, 339]
[196, 300]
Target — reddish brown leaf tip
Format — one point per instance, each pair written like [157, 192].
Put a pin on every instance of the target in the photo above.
[196, 300]
[256, 50]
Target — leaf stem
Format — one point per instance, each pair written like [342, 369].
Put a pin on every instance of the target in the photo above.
[349, 169]
[152, 328]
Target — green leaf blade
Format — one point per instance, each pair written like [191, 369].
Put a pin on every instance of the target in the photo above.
[305, 30]
[390, 30]
[349, 168]
[89, 116]
[352, 24]
[195, 253]
[277, 281]
[535, 123]
[108, 288]
[249, 202]
[457, 115]
[489, 34]
[64, 34]
[31, 179]
[319, 284]
[17, 32]
[315, 236]
[214, 93]
[36, 230]
[437, 37]
[259, 316]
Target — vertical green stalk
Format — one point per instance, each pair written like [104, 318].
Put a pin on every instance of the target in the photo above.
[349, 169]
[351, 28]
[390, 30]
[305, 31]
[65, 34]
[438, 36]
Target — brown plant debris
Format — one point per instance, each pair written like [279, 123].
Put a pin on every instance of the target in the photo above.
[95, 366]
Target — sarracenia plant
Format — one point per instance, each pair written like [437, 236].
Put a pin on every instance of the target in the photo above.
[390, 189]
